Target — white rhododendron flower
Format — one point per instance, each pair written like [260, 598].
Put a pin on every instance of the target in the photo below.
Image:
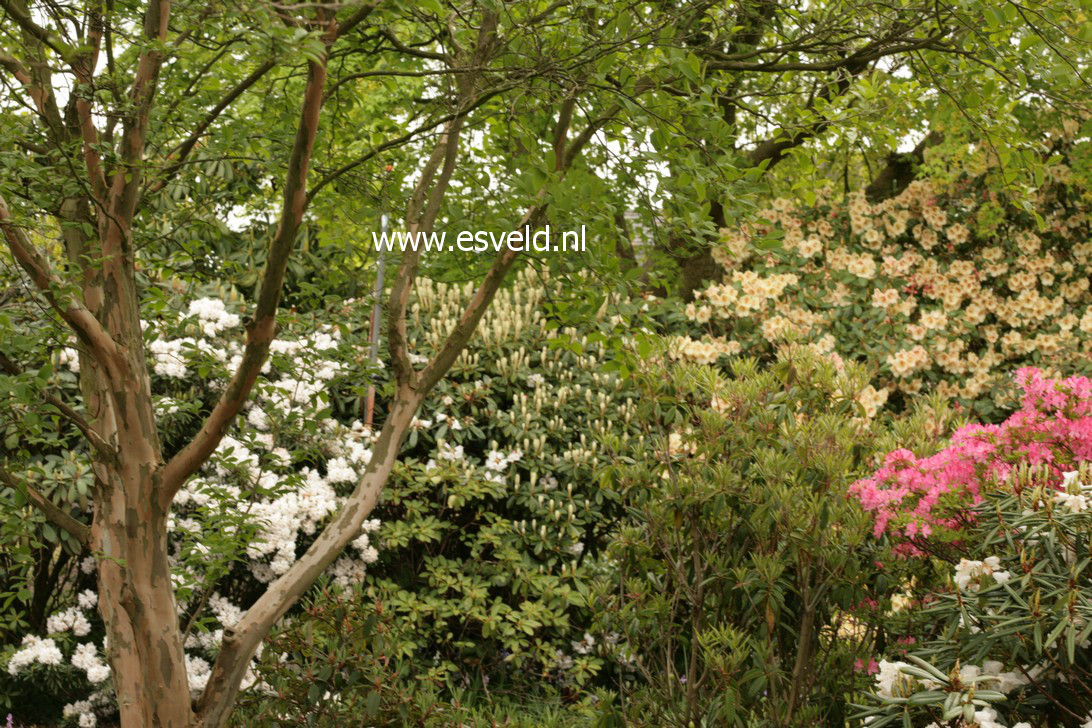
[83, 712]
[34, 650]
[969, 574]
[70, 620]
[87, 599]
[86, 658]
[1075, 502]
[891, 682]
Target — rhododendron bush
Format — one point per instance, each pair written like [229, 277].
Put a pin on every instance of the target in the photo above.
[494, 522]
[742, 559]
[945, 286]
[1002, 638]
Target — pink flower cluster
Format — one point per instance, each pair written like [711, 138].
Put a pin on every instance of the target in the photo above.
[913, 499]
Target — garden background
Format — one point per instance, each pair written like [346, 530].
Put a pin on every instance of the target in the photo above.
[800, 439]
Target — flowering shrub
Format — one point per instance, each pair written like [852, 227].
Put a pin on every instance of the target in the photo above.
[260, 499]
[494, 522]
[913, 499]
[1003, 639]
[942, 286]
[1008, 640]
[487, 530]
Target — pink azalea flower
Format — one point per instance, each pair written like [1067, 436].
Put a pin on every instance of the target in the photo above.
[914, 499]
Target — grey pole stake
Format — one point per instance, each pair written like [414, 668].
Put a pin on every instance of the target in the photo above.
[373, 329]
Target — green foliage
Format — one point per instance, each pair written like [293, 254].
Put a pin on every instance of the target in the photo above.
[333, 665]
[337, 664]
[494, 522]
[740, 560]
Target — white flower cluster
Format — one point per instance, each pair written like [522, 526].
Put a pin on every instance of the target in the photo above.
[255, 458]
[301, 511]
[69, 357]
[496, 462]
[170, 356]
[34, 650]
[446, 451]
[213, 315]
[969, 574]
[83, 711]
[993, 676]
[499, 462]
[1071, 493]
[86, 658]
[1074, 502]
[198, 672]
[893, 682]
[70, 620]
[584, 646]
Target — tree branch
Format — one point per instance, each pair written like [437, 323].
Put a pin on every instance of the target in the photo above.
[402, 139]
[866, 55]
[70, 414]
[180, 153]
[421, 214]
[240, 641]
[125, 187]
[37, 95]
[403, 48]
[98, 341]
[355, 18]
[418, 220]
[38, 84]
[53, 513]
[23, 19]
[261, 327]
[561, 130]
[83, 64]
[394, 72]
[777, 147]
[460, 335]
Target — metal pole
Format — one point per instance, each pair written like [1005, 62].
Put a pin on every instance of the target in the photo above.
[373, 328]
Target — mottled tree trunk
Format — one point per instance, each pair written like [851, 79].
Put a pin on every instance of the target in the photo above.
[129, 528]
[136, 600]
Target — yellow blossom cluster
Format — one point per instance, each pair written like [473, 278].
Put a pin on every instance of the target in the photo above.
[702, 351]
[944, 287]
